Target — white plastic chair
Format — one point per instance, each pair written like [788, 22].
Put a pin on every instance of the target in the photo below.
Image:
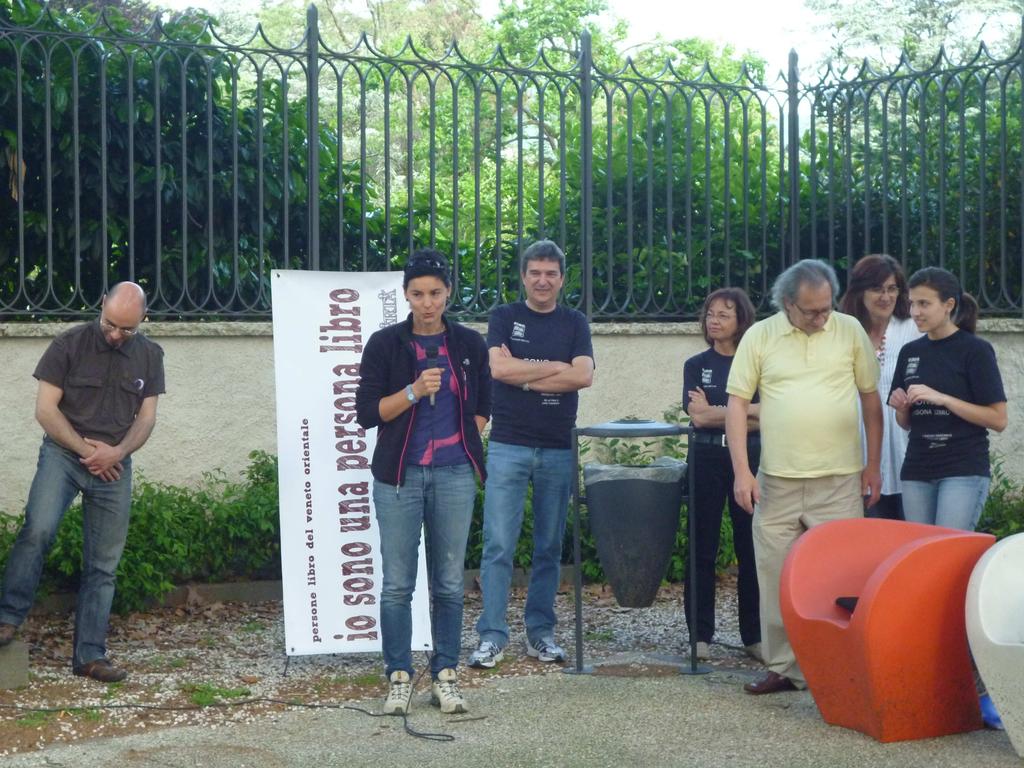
[995, 629]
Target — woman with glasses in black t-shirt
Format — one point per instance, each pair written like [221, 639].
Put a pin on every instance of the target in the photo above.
[726, 315]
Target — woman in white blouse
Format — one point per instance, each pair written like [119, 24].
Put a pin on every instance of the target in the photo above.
[877, 296]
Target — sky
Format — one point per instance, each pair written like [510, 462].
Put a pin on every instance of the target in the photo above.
[769, 28]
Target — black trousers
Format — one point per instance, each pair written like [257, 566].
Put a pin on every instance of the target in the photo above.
[887, 507]
[713, 488]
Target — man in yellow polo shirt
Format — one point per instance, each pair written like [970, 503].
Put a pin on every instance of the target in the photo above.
[811, 366]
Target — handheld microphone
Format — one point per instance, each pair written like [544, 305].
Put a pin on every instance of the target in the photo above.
[432, 363]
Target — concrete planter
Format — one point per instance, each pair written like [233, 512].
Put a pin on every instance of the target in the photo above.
[634, 516]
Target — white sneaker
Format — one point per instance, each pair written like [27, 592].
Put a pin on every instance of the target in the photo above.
[445, 693]
[399, 694]
[703, 650]
[546, 649]
[486, 656]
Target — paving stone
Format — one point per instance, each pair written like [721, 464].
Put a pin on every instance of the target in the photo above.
[14, 665]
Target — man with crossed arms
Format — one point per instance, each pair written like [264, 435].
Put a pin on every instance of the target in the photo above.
[541, 355]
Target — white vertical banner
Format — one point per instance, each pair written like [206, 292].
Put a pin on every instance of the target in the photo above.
[330, 553]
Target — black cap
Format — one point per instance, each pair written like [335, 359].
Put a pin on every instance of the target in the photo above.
[427, 263]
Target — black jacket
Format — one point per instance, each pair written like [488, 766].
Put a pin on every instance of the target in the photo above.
[388, 365]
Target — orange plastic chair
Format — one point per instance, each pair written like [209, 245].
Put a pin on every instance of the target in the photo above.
[897, 667]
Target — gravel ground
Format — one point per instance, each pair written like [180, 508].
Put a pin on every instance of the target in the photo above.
[221, 663]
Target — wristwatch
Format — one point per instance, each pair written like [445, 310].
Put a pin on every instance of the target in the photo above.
[410, 395]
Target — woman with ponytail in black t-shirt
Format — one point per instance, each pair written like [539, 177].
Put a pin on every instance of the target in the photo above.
[948, 393]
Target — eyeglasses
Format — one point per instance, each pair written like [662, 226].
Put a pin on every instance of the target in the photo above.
[813, 314]
[720, 317]
[888, 290]
[109, 327]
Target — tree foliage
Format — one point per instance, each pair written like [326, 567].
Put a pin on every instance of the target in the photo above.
[140, 158]
[921, 160]
[884, 30]
[163, 154]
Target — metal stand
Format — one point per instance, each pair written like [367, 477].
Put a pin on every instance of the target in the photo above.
[630, 428]
[580, 668]
[691, 547]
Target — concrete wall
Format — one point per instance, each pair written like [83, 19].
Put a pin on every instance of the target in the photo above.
[219, 404]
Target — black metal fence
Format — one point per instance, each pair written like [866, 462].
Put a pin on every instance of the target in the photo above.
[196, 166]
[925, 165]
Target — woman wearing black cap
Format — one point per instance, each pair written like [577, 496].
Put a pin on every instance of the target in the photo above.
[425, 383]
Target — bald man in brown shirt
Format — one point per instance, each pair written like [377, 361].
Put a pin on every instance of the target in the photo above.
[96, 403]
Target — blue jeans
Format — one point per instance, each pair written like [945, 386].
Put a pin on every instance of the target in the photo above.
[953, 502]
[440, 498]
[510, 470]
[106, 507]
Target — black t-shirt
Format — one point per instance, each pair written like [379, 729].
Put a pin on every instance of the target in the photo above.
[710, 371]
[536, 419]
[941, 443]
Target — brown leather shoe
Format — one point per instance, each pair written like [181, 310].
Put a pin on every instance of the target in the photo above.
[7, 633]
[102, 671]
[773, 682]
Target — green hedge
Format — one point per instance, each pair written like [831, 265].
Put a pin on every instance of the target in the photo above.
[229, 530]
[219, 531]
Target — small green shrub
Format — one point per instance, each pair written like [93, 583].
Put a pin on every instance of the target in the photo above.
[1004, 510]
[244, 522]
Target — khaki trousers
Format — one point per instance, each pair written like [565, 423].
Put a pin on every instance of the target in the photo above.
[788, 507]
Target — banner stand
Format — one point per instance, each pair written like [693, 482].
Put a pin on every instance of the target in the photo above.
[330, 547]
